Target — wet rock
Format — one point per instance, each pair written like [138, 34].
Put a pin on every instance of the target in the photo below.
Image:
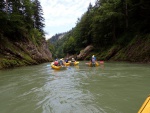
[85, 52]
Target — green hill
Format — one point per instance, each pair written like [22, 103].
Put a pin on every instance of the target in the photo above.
[117, 30]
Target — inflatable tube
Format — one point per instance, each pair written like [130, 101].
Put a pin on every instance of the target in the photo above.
[93, 65]
[145, 108]
[67, 64]
[58, 67]
[71, 63]
[74, 63]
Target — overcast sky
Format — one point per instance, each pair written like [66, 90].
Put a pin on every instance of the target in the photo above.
[61, 15]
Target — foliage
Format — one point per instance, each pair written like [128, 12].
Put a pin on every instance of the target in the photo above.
[106, 24]
[69, 46]
[20, 17]
[51, 48]
[20, 21]
[38, 16]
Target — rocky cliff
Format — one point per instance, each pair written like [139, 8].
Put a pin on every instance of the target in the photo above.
[20, 53]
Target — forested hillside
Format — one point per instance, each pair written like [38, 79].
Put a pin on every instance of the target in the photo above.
[56, 37]
[54, 44]
[117, 29]
[22, 39]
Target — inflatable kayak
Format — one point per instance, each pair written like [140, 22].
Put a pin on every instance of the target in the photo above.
[145, 108]
[67, 64]
[72, 63]
[93, 65]
[58, 67]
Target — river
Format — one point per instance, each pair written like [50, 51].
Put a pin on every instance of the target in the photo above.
[115, 87]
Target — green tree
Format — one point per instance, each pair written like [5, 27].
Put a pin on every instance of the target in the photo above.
[28, 13]
[3, 15]
[107, 23]
[69, 46]
[15, 20]
[82, 32]
[38, 16]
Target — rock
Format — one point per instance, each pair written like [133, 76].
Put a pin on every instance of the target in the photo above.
[40, 53]
[85, 52]
[24, 53]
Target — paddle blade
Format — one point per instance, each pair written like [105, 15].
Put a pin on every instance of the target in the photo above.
[101, 62]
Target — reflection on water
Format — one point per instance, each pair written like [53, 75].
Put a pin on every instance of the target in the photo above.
[109, 88]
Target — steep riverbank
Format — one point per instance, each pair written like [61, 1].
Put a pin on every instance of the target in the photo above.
[21, 53]
[138, 50]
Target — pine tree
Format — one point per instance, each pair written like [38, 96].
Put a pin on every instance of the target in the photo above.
[2, 5]
[28, 13]
[3, 17]
[15, 19]
[38, 16]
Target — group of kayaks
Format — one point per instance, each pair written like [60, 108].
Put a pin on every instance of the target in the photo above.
[73, 64]
[64, 66]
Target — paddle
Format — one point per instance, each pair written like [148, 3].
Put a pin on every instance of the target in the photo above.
[48, 65]
[101, 62]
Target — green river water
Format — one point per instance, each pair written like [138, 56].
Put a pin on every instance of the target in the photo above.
[115, 87]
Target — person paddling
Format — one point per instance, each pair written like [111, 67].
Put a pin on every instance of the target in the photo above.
[61, 62]
[93, 60]
[72, 60]
[56, 62]
[66, 60]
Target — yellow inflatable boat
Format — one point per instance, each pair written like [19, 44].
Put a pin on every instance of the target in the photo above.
[72, 63]
[57, 67]
[67, 64]
[145, 108]
[92, 65]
